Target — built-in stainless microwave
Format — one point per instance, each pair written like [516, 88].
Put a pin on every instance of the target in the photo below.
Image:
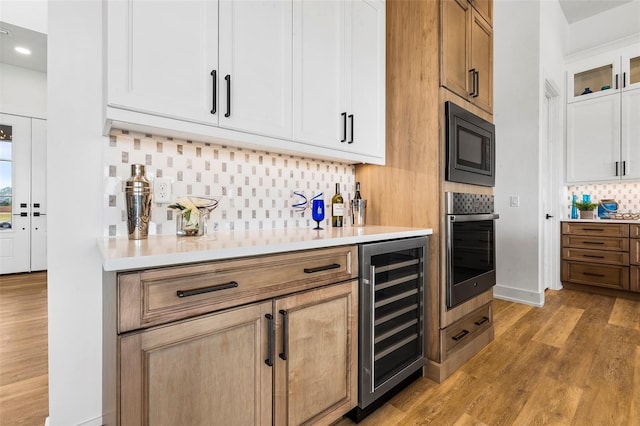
[471, 147]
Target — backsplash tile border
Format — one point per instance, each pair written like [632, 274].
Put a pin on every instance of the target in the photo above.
[256, 186]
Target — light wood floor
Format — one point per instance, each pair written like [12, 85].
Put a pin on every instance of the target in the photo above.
[576, 361]
[24, 399]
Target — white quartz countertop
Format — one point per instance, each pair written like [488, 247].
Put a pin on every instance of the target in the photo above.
[120, 253]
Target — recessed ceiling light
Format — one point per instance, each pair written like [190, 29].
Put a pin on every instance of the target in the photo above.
[22, 50]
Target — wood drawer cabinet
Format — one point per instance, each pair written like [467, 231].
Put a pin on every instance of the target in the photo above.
[465, 329]
[634, 269]
[278, 347]
[597, 254]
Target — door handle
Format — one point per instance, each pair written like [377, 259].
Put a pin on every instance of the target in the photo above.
[476, 84]
[214, 95]
[344, 127]
[228, 78]
[472, 71]
[285, 335]
[351, 119]
[548, 216]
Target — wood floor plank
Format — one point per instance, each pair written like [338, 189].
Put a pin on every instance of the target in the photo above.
[626, 313]
[559, 326]
[507, 316]
[551, 403]
[24, 397]
[634, 410]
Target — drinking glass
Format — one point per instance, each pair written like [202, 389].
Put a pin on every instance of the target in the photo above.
[317, 212]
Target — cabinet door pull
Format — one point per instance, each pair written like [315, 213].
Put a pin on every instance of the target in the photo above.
[597, 243]
[460, 335]
[624, 79]
[321, 268]
[591, 274]
[616, 81]
[472, 72]
[228, 78]
[593, 256]
[594, 229]
[209, 289]
[481, 321]
[285, 334]
[351, 119]
[344, 127]
[214, 95]
[476, 83]
[269, 361]
[624, 168]
[617, 168]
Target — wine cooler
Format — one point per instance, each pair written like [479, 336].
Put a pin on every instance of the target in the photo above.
[392, 315]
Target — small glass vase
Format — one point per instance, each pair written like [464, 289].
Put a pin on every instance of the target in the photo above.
[191, 228]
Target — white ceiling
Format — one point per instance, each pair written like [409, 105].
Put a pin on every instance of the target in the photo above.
[576, 10]
[32, 40]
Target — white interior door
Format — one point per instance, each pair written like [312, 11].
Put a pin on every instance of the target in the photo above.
[15, 192]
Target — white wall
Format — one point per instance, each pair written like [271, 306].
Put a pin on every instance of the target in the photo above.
[23, 91]
[516, 116]
[74, 173]
[30, 14]
[605, 27]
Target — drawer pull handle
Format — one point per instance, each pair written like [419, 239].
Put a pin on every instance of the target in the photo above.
[196, 291]
[285, 334]
[593, 242]
[460, 335]
[593, 255]
[321, 268]
[594, 229]
[269, 361]
[591, 274]
[482, 321]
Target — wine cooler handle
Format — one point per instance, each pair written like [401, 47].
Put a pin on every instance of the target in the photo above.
[285, 334]
[214, 94]
[228, 78]
[209, 289]
[269, 360]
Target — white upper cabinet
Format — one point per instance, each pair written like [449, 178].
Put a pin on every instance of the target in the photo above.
[255, 66]
[303, 77]
[160, 57]
[603, 129]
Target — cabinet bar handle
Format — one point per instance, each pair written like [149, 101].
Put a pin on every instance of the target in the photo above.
[624, 79]
[476, 83]
[321, 268]
[624, 168]
[616, 81]
[351, 119]
[196, 291]
[593, 275]
[481, 321]
[228, 78]
[593, 256]
[285, 334]
[472, 71]
[617, 168]
[214, 95]
[594, 229]
[269, 361]
[599, 243]
[460, 335]
[344, 127]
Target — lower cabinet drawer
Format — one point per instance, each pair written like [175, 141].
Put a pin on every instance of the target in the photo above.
[634, 280]
[598, 275]
[465, 329]
[595, 243]
[596, 256]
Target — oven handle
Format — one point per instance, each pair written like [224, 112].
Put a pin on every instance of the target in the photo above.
[472, 217]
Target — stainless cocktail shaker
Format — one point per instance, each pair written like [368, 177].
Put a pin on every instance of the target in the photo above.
[138, 195]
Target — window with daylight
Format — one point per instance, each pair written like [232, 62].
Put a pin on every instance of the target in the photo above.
[6, 163]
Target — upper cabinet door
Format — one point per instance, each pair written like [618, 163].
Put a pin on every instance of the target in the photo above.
[482, 62]
[256, 66]
[485, 8]
[454, 73]
[160, 57]
[593, 140]
[596, 76]
[366, 77]
[318, 72]
[631, 133]
[631, 68]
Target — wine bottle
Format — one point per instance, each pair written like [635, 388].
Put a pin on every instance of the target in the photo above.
[337, 208]
[357, 195]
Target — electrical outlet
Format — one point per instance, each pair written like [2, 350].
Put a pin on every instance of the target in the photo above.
[162, 190]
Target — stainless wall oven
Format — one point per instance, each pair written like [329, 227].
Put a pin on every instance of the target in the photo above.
[470, 246]
[391, 318]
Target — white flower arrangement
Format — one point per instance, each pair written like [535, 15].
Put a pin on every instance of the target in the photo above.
[194, 210]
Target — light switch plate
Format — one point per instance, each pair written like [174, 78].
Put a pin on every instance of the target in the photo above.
[514, 201]
[162, 190]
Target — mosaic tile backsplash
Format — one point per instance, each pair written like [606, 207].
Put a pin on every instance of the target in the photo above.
[627, 194]
[256, 187]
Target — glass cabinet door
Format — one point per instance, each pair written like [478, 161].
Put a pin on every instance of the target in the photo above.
[597, 76]
[631, 68]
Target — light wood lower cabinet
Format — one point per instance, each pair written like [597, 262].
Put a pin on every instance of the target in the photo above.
[289, 358]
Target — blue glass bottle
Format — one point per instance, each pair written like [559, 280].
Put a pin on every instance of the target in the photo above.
[574, 209]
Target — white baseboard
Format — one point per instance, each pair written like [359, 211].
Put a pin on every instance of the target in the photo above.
[46, 421]
[93, 422]
[518, 295]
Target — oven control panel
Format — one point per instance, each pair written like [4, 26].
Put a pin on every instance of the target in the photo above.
[465, 203]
